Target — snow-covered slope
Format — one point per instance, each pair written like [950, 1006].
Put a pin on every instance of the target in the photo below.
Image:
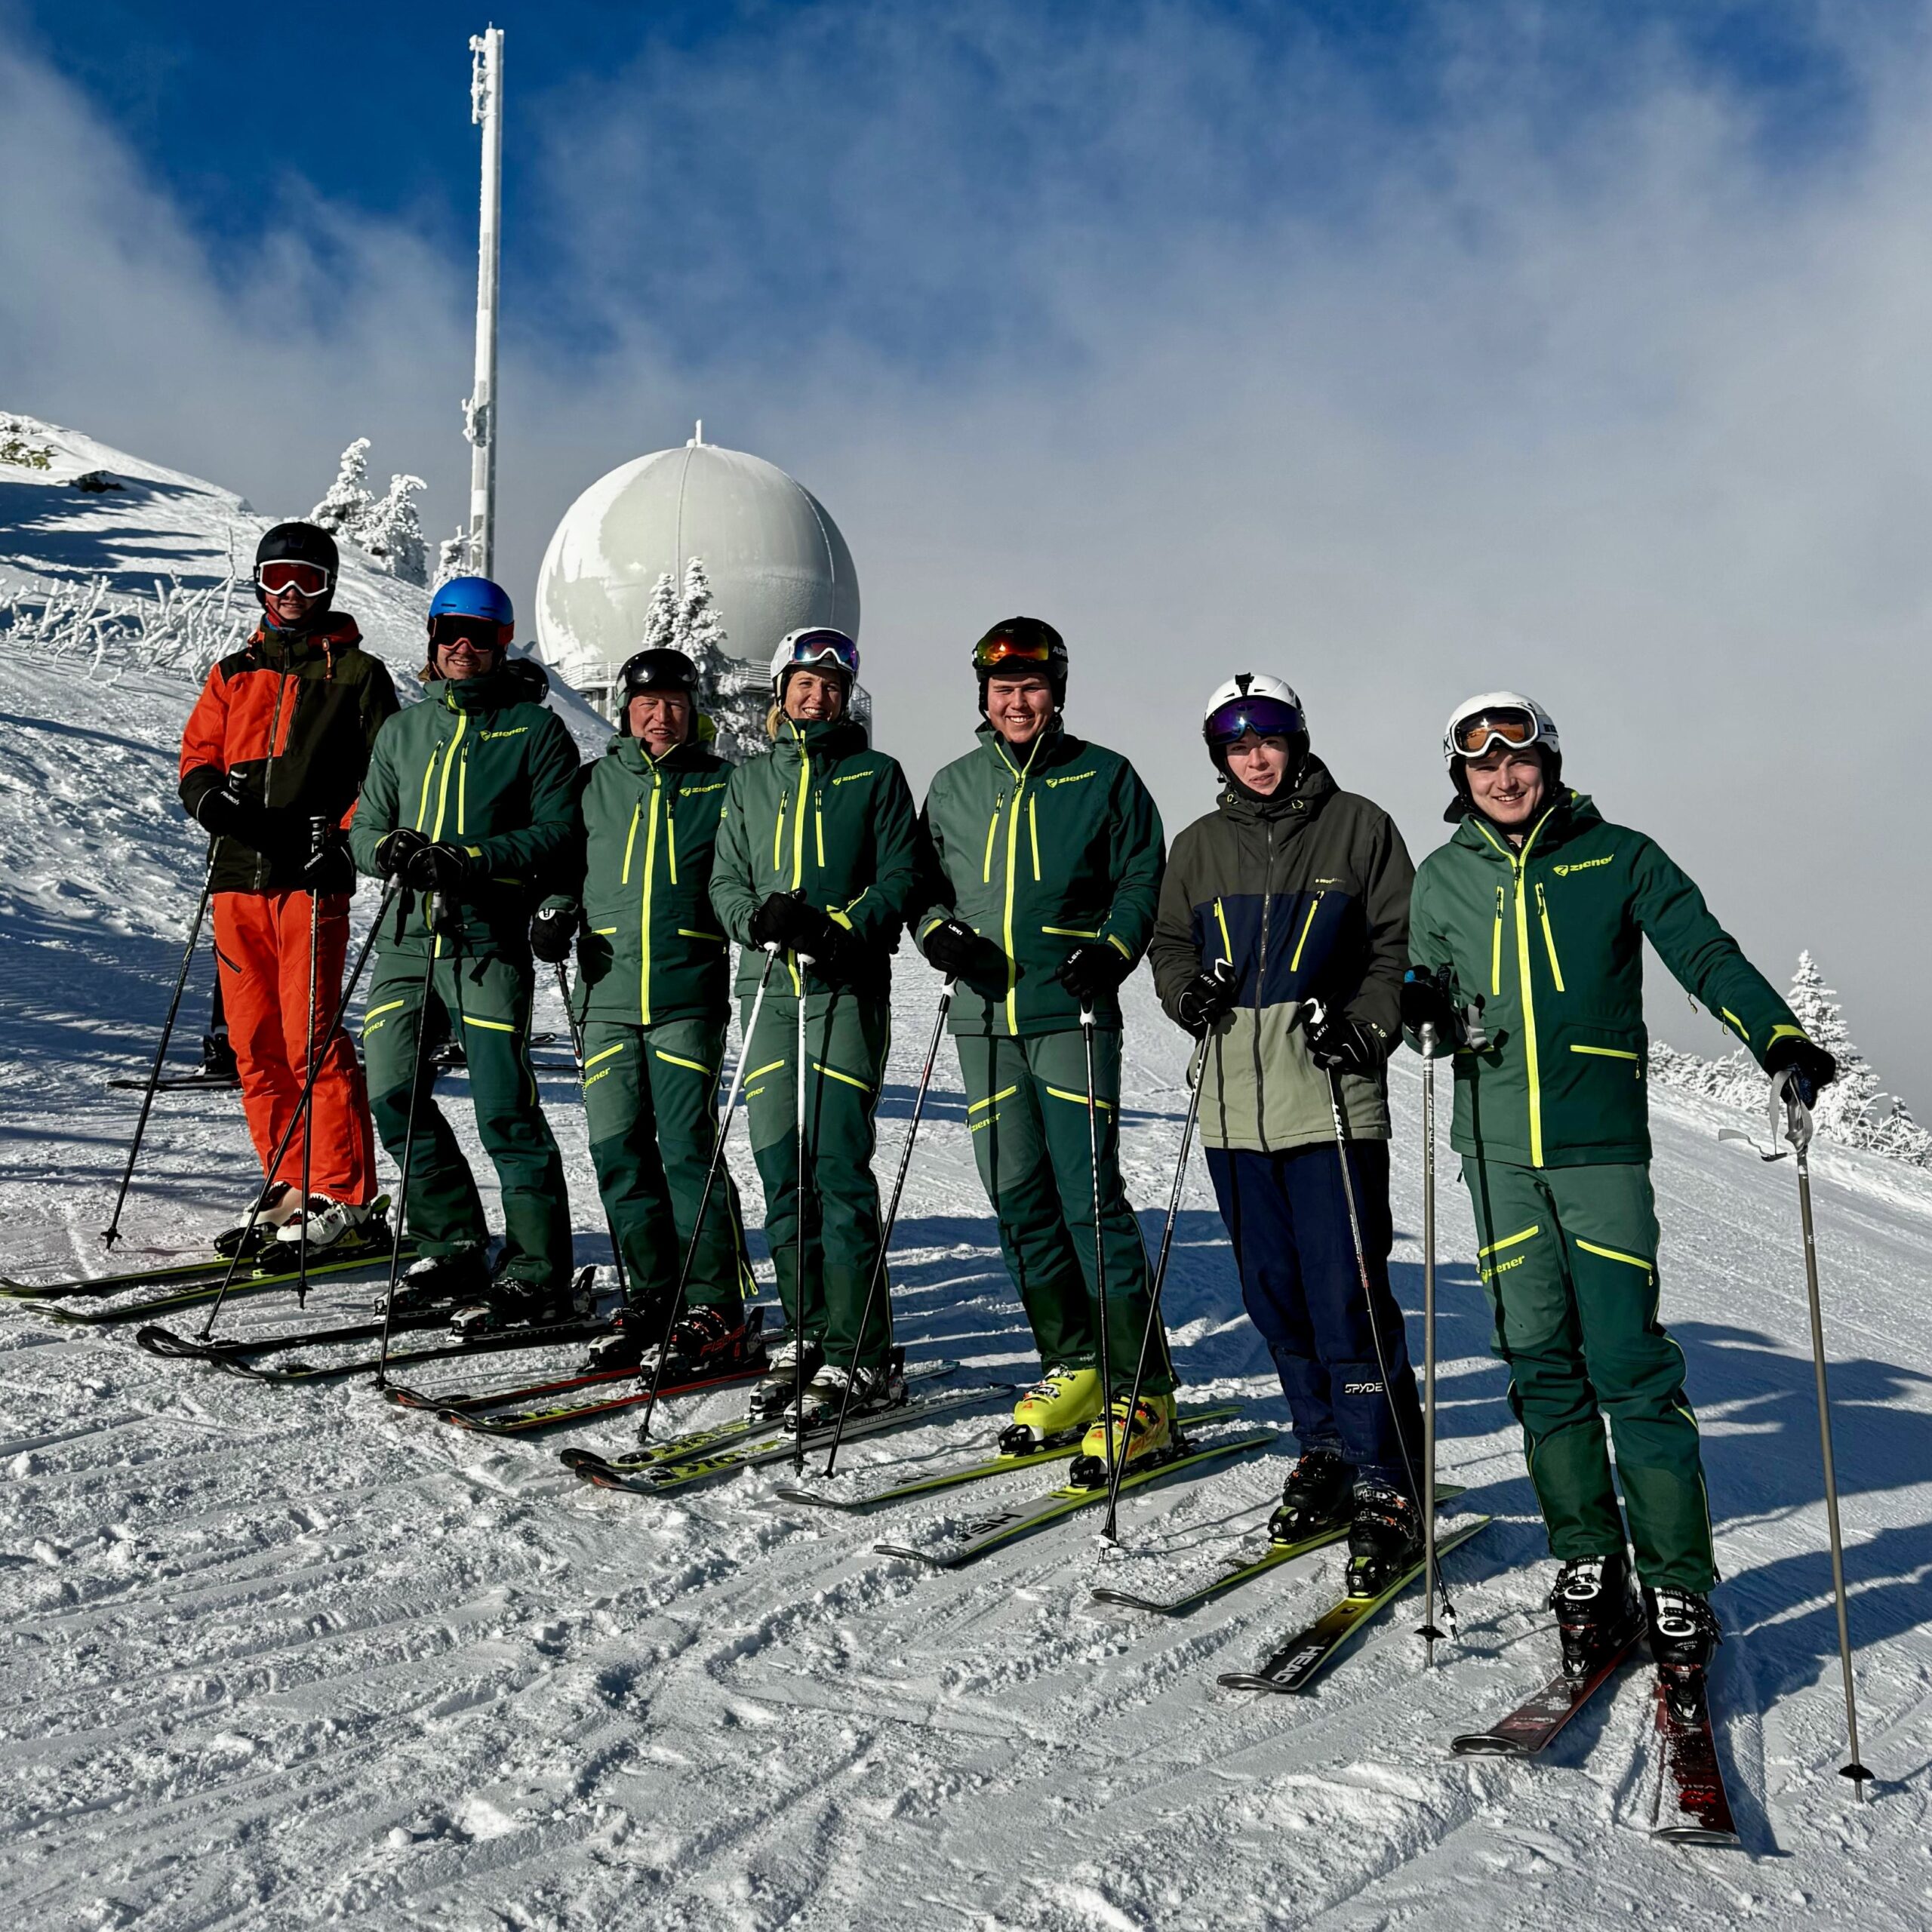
[280, 1658]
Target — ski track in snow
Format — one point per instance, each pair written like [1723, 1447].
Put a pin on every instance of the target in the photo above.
[283, 1656]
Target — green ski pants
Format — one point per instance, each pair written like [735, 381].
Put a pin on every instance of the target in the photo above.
[1027, 1110]
[846, 1038]
[649, 1102]
[1568, 1255]
[486, 1001]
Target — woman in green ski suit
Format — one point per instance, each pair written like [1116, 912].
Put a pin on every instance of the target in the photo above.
[1536, 911]
[653, 992]
[817, 857]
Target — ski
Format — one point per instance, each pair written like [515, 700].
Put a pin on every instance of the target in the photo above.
[1691, 1806]
[201, 1262]
[560, 1414]
[179, 1083]
[554, 1334]
[1531, 1727]
[247, 1281]
[1253, 1558]
[996, 1530]
[751, 1451]
[978, 1470]
[238, 1352]
[1306, 1654]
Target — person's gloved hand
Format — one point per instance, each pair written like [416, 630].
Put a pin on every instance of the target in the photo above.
[226, 812]
[552, 934]
[323, 854]
[1093, 969]
[1427, 1002]
[781, 921]
[1339, 1044]
[395, 850]
[1812, 1069]
[441, 868]
[957, 950]
[1208, 999]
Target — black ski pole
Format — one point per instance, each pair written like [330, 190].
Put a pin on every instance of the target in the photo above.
[1195, 1075]
[112, 1232]
[892, 1211]
[704, 1198]
[1428, 1632]
[802, 960]
[1798, 1131]
[431, 919]
[577, 1053]
[1100, 1250]
[302, 1105]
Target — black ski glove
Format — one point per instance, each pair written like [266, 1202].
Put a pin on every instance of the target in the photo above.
[1812, 1069]
[1338, 1043]
[1425, 1002]
[1093, 969]
[782, 920]
[441, 868]
[552, 932]
[1208, 999]
[226, 813]
[956, 950]
[395, 850]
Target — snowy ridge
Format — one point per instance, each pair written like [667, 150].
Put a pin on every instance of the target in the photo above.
[281, 1657]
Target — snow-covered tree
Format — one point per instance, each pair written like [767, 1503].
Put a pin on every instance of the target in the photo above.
[1843, 1111]
[345, 510]
[392, 531]
[453, 556]
[661, 618]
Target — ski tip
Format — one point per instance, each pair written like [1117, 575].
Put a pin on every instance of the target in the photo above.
[1242, 1680]
[910, 1555]
[1126, 1600]
[1695, 1835]
[1484, 1744]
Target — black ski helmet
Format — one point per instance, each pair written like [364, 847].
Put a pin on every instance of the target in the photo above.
[305, 543]
[1022, 644]
[658, 668]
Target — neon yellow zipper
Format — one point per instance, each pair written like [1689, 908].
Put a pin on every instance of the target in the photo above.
[637, 812]
[429, 779]
[1012, 879]
[1294, 964]
[1227, 944]
[462, 795]
[671, 836]
[443, 790]
[993, 832]
[799, 822]
[1532, 1067]
[1033, 832]
[1549, 937]
[818, 833]
[1496, 948]
[643, 917]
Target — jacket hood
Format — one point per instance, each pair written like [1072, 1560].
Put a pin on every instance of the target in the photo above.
[834, 737]
[689, 756]
[494, 690]
[1574, 812]
[1054, 746]
[335, 630]
[1314, 785]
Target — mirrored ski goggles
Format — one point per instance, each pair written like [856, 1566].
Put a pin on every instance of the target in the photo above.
[1482, 730]
[994, 653]
[477, 633]
[1266, 717]
[816, 648]
[286, 573]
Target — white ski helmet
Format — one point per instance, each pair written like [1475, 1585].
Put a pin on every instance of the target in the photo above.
[818, 648]
[1509, 718]
[1252, 701]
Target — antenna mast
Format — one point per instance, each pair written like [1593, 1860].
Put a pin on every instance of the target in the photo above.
[486, 111]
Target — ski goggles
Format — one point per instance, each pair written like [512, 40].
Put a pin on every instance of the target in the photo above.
[477, 633]
[815, 649]
[1266, 717]
[1482, 731]
[283, 574]
[1011, 654]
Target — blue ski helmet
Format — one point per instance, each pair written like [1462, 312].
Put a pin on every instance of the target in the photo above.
[471, 606]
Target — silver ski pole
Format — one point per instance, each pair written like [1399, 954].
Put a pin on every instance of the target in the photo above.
[1100, 1250]
[1154, 1322]
[802, 960]
[704, 1197]
[111, 1233]
[892, 1211]
[1428, 1632]
[1798, 1131]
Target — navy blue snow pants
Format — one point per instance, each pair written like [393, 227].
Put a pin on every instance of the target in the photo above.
[1289, 1223]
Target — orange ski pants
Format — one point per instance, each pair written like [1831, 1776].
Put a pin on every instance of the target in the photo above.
[261, 943]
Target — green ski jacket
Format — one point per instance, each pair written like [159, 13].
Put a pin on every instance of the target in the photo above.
[652, 948]
[1037, 855]
[1551, 937]
[475, 765]
[826, 815]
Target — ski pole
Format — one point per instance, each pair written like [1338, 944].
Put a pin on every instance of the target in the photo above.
[1798, 1131]
[1196, 1079]
[1100, 1246]
[704, 1198]
[803, 960]
[302, 1104]
[1428, 1632]
[432, 919]
[577, 1053]
[317, 832]
[112, 1232]
[892, 1211]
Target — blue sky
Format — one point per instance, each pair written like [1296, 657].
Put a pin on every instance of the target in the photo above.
[1407, 350]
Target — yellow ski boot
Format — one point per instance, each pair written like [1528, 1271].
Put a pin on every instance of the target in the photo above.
[1152, 1438]
[1056, 1409]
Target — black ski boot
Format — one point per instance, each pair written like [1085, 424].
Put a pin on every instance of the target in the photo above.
[1385, 1538]
[633, 1334]
[439, 1282]
[1684, 1633]
[773, 1393]
[872, 1389]
[1319, 1495]
[706, 1342]
[511, 1302]
[1597, 1611]
[218, 1058]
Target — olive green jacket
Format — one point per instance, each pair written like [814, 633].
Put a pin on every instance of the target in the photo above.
[826, 815]
[1038, 855]
[475, 765]
[1551, 939]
